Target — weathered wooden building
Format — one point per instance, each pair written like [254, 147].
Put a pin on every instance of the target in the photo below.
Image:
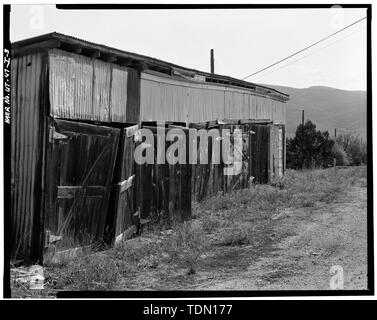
[76, 106]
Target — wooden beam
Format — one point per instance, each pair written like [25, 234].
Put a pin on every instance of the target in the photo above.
[47, 44]
[126, 184]
[140, 65]
[130, 131]
[70, 192]
[229, 121]
[261, 121]
[95, 54]
[124, 61]
[71, 48]
[86, 129]
[110, 58]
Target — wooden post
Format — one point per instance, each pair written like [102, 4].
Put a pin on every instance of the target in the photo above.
[335, 165]
[212, 62]
[335, 132]
[303, 117]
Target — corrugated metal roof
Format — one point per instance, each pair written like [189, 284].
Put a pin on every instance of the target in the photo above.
[69, 43]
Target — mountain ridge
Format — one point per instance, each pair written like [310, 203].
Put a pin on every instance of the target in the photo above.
[327, 107]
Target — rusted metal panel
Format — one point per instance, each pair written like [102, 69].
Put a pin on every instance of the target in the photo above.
[79, 175]
[173, 99]
[83, 88]
[28, 79]
[101, 91]
[71, 86]
[119, 94]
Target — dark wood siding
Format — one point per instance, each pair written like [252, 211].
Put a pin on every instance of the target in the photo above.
[259, 143]
[163, 191]
[209, 179]
[80, 164]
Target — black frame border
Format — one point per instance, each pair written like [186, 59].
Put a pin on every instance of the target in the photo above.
[198, 294]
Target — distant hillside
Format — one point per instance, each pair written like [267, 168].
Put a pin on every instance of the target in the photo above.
[327, 107]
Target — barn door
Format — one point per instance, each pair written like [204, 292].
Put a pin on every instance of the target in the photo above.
[79, 168]
[125, 215]
[277, 143]
[259, 145]
[240, 179]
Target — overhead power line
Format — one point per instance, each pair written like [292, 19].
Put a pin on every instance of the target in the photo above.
[310, 54]
[306, 48]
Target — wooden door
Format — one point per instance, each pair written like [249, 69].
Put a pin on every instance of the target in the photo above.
[259, 144]
[79, 168]
[126, 218]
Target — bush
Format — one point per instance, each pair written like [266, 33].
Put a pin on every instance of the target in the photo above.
[355, 148]
[340, 155]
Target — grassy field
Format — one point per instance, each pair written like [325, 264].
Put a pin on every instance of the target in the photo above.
[227, 234]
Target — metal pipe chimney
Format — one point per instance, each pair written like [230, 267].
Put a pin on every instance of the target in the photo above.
[212, 62]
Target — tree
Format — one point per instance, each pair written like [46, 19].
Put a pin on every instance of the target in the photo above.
[309, 148]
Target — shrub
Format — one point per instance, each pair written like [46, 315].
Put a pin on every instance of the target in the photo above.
[355, 148]
[340, 155]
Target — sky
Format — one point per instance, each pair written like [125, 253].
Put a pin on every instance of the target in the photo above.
[244, 40]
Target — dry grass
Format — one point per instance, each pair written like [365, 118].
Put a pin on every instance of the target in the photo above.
[224, 222]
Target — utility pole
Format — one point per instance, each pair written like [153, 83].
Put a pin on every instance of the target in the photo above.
[212, 62]
[335, 132]
[303, 117]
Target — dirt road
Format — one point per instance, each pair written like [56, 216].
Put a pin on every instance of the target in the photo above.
[329, 234]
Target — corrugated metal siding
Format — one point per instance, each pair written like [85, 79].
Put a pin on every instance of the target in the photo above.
[71, 86]
[82, 88]
[27, 126]
[101, 91]
[119, 95]
[170, 99]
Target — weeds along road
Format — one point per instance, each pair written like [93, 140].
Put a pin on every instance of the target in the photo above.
[321, 237]
[281, 237]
